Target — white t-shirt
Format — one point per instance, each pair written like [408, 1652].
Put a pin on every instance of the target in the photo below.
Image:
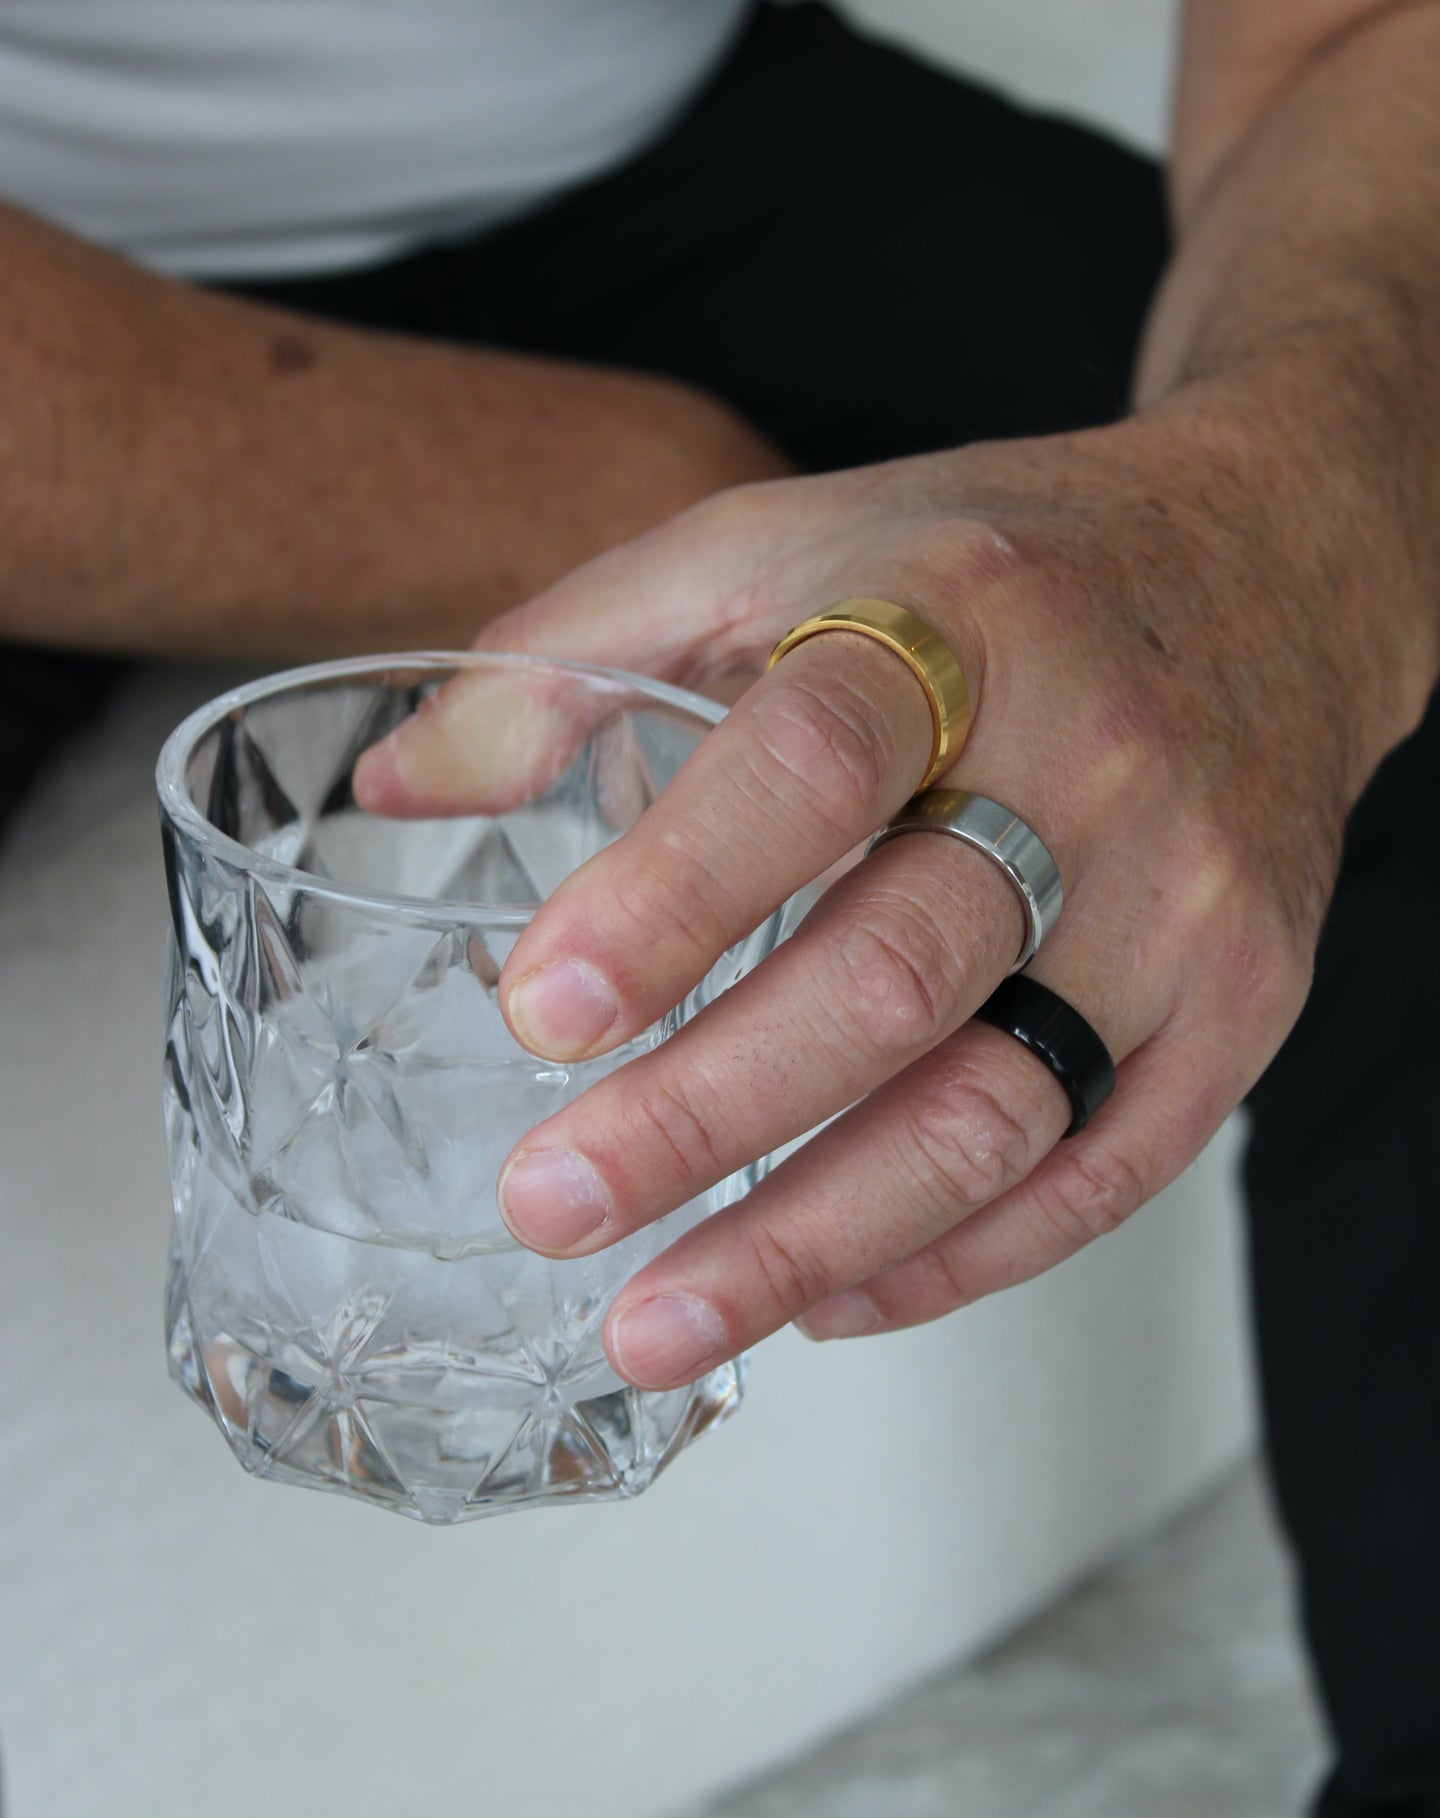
[230, 138]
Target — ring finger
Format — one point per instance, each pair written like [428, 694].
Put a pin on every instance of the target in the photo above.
[893, 959]
[1079, 1192]
[956, 1131]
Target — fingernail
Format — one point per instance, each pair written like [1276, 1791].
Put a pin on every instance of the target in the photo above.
[842, 1316]
[562, 1010]
[666, 1341]
[552, 1199]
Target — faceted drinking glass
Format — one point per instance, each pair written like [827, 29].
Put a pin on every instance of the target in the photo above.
[340, 1090]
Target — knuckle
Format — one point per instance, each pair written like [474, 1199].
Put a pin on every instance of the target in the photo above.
[970, 1146]
[1093, 1194]
[894, 1000]
[1282, 997]
[824, 743]
[740, 512]
[1214, 876]
[1270, 979]
[661, 1122]
[1126, 759]
[1218, 902]
[952, 559]
[793, 1268]
[943, 1284]
[674, 904]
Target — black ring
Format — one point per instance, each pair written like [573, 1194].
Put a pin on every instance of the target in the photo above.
[1069, 1047]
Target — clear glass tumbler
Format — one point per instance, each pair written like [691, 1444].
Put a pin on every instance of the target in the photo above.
[340, 1090]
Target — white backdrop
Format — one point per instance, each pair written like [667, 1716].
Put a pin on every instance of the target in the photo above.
[1106, 60]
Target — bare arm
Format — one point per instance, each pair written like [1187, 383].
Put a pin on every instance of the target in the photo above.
[1300, 320]
[183, 472]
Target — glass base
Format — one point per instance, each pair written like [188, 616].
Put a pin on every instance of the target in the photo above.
[441, 1436]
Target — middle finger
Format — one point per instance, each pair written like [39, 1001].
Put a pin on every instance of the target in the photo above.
[815, 757]
[894, 958]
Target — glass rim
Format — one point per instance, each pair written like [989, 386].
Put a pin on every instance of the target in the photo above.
[180, 809]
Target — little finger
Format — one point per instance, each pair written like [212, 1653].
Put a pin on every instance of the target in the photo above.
[956, 1131]
[1159, 1120]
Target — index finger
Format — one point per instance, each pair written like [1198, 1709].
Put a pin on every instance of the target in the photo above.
[823, 749]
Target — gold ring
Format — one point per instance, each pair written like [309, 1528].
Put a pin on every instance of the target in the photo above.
[929, 658]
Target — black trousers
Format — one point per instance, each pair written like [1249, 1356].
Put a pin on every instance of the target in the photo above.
[872, 259]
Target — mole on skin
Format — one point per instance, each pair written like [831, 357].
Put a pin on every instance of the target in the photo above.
[291, 353]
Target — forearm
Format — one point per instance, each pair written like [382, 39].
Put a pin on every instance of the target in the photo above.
[1301, 322]
[183, 472]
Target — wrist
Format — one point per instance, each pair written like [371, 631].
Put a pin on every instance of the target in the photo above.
[1307, 474]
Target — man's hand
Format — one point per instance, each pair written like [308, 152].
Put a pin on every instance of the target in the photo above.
[1191, 637]
[1162, 706]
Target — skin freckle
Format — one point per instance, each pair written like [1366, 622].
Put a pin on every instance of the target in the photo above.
[290, 354]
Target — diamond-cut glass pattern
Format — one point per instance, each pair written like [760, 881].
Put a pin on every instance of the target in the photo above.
[340, 1090]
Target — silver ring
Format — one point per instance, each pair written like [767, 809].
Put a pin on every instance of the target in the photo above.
[1001, 835]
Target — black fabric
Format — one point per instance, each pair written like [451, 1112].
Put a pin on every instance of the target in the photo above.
[1343, 1183]
[865, 256]
[46, 696]
[871, 259]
